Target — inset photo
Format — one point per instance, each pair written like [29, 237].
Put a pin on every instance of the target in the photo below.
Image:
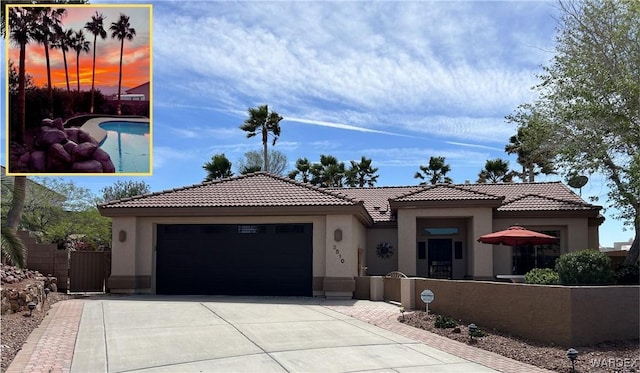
[79, 90]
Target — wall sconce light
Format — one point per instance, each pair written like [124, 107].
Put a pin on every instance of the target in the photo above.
[122, 236]
[31, 306]
[473, 329]
[572, 354]
[337, 235]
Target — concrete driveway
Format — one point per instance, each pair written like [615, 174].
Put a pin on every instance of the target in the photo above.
[244, 334]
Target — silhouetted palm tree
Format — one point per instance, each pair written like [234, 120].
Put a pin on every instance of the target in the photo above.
[62, 41]
[265, 122]
[95, 27]
[80, 44]
[361, 174]
[303, 168]
[48, 20]
[121, 30]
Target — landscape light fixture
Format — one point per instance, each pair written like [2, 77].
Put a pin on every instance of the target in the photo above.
[46, 292]
[472, 330]
[402, 312]
[572, 354]
[32, 306]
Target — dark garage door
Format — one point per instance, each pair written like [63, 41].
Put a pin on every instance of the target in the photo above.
[229, 259]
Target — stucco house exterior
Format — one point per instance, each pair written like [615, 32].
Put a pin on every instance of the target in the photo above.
[261, 234]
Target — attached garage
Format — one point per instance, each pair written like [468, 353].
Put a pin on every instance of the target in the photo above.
[234, 259]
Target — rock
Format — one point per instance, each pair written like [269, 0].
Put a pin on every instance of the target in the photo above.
[51, 137]
[69, 146]
[38, 161]
[47, 122]
[105, 159]
[83, 152]
[24, 159]
[58, 124]
[456, 330]
[10, 279]
[91, 166]
[72, 134]
[85, 137]
[58, 151]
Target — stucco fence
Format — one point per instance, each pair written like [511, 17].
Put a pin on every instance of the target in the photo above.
[563, 315]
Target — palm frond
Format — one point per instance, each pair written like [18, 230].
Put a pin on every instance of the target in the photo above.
[13, 249]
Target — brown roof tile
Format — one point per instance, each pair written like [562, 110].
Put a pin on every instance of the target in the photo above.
[446, 192]
[259, 189]
[542, 203]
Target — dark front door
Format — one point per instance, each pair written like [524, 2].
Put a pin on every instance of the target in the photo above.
[439, 257]
[232, 259]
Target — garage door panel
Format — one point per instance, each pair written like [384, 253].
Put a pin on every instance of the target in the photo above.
[266, 259]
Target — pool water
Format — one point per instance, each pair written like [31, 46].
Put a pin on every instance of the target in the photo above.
[128, 145]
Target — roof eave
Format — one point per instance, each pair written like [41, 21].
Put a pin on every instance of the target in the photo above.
[493, 203]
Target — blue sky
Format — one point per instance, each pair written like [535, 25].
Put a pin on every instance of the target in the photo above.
[397, 82]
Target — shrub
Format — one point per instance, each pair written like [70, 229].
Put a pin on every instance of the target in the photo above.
[445, 322]
[627, 274]
[584, 267]
[542, 276]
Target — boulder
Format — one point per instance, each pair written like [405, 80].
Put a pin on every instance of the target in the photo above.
[57, 151]
[83, 152]
[57, 123]
[72, 134]
[49, 138]
[90, 166]
[69, 146]
[85, 137]
[38, 161]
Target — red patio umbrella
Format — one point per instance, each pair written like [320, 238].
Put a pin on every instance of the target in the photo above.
[517, 235]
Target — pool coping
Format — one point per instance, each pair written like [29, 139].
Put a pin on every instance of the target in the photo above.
[92, 126]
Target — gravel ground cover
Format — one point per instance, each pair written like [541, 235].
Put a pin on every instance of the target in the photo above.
[16, 327]
[619, 357]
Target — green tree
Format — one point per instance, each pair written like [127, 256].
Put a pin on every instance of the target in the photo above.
[265, 122]
[361, 174]
[303, 170]
[62, 41]
[253, 162]
[14, 80]
[218, 167]
[121, 30]
[328, 173]
[436, 171]
[124, 189]
[80, 44]
[589, 97]
[531, 144]
[95, 26]
[495, 171]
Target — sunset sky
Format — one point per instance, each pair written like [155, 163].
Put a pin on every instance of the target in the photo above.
[136, 58]
[395, 81]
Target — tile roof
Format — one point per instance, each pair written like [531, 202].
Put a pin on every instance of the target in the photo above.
[262, 189]
[252, 190]
[446, 192]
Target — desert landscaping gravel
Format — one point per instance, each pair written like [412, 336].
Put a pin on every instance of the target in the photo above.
[618, 357]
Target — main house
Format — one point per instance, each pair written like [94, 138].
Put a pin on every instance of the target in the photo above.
[261, 234]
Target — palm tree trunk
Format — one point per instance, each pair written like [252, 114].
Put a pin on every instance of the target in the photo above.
[20, 135]
[265, 154]
[78, 70]
[120, 77]
[50, 89]
[17, 203]
[93, 76]
[66, 70]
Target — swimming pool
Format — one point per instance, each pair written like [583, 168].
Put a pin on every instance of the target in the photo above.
[128, 145]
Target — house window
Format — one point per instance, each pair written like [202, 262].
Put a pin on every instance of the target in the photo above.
[440, 231]
[528, 257]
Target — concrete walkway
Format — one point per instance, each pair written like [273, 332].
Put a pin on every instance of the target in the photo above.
[241, 334]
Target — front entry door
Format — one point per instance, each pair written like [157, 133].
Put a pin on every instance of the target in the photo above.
[439, 257]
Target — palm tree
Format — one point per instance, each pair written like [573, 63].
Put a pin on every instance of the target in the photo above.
[303, 168]
[436, 171]
[48, 20]
[22, 30]
[218, 167]
[62, 42]
[361, 174]
[80, 44]
[95, 27]
[21, 25]
[121, 30]
[13, 249]
[265, 122]
[495, 171]
[328, 173]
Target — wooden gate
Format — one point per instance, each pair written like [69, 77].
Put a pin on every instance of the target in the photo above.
[88, 271]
